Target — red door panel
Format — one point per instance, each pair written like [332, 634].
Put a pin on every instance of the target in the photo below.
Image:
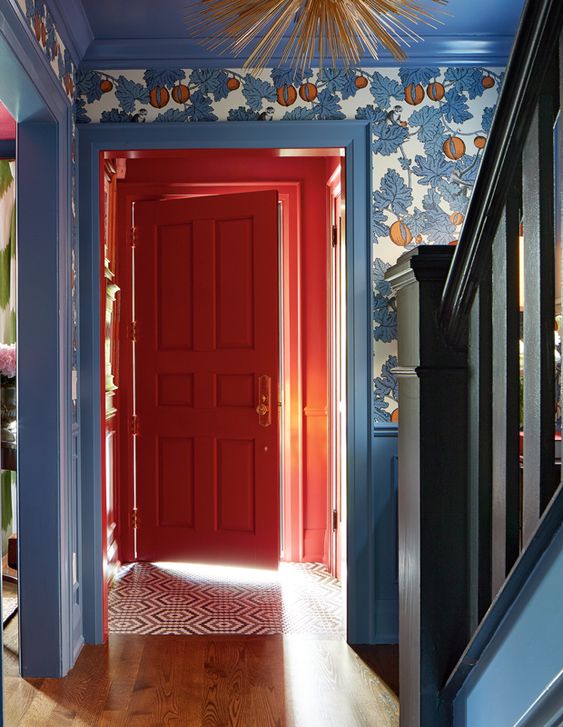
[206, 299]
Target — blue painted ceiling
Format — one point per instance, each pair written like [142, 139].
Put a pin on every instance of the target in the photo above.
[166, 18]
[156, 31]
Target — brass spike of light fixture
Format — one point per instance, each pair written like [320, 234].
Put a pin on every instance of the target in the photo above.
[342, 30]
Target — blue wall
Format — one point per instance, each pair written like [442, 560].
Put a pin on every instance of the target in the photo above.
[384, 524]
[36, 87]
[525, 655]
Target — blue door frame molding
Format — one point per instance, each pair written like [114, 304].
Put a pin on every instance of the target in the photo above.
[36, 99]
[354, 136]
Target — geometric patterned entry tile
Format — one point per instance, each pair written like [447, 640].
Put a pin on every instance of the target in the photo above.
[181, 598]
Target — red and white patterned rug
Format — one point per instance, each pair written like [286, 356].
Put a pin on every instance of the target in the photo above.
[178, 598]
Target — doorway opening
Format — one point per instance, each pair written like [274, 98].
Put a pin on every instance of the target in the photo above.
[8, 386]
[308, 524]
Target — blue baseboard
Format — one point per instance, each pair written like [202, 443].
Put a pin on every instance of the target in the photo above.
[547, 710]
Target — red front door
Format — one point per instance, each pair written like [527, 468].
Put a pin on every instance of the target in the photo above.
[206, 306]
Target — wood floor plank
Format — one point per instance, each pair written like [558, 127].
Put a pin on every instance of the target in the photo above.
[36, 711]
[192, 680]
[265, 674]
[226, 699]
[18, 697]
[124, 657]
[83, 693]
[383, 660]
[374, 701]
[201, 681]
[153, 695]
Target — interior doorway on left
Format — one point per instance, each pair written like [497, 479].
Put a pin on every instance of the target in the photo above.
[8, 367]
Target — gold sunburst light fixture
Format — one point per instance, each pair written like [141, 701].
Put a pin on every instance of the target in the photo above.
[342, 30]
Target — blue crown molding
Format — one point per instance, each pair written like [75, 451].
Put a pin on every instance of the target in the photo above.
[443, 50]
[73, 26]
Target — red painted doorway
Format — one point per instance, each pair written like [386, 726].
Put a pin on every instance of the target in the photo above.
[301, 178]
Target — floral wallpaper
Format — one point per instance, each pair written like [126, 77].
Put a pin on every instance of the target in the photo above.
[43, 27]
[429, 129]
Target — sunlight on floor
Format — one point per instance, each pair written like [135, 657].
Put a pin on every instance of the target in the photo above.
[196, 598]
[314, 667]
[221, 572]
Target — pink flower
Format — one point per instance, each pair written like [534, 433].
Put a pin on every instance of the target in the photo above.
[8, 360]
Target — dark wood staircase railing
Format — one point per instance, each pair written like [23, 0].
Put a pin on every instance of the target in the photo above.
[509, 497]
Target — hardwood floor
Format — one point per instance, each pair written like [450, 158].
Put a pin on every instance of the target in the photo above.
[201, 681]
[384, 661]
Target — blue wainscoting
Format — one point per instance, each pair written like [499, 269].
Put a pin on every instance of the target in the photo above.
[384, 523]
[519, 680]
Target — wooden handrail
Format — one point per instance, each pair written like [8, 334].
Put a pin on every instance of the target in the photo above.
[536, 39]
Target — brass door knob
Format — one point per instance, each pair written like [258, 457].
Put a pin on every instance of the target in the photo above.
[264, 399]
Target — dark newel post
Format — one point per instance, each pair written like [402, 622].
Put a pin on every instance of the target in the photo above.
[433, 560]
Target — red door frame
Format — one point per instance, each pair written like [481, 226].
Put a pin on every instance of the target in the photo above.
[289, 194]
[293, 497]
[103, 429]
[336, 194]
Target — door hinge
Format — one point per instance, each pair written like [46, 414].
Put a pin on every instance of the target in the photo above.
[132, 331]
[135, 519]
[133, 236]
[135, 425]
[335, 520]
[334, 236]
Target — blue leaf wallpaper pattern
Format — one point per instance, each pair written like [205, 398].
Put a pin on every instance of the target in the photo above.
[209, 81]
[43, 28]
[158, 77]
[417, 76]
[393, 193]
[256, 92]
[386, 392]
[128, 93]
[384, 311]
[429, 128]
